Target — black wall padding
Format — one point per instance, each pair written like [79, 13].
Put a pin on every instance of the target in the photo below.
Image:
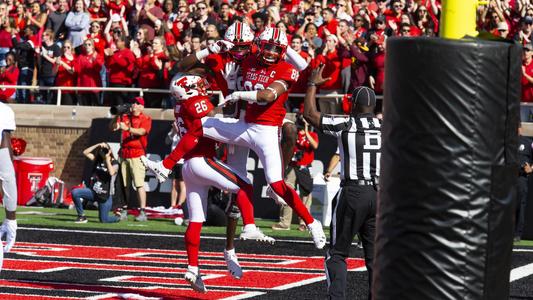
[449, 167]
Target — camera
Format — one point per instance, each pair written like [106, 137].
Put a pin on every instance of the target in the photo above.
[102, 152]
[120, 109]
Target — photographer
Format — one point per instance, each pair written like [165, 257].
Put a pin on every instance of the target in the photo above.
[101, 187]
[135, 126]
[298, 172]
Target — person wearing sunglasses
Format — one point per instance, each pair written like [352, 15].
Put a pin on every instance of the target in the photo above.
[65, 75]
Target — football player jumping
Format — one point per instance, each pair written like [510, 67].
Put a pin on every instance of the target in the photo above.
[266, 81]
[201, 170]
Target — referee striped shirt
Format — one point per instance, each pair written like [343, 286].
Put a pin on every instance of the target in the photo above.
[359, 140]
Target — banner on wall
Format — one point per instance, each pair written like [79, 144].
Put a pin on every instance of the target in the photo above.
[159, 193]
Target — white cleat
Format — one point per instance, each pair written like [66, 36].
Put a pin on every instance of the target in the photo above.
[315, 228]
[196, 281]
[233, 264]
[157, 167]
[256, 235]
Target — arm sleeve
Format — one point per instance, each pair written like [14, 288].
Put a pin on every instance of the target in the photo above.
[334, 125]
[296, 60]
[185, 145]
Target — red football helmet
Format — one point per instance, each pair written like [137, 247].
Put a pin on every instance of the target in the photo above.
[273, 45]
[185, 86]
[241, 35]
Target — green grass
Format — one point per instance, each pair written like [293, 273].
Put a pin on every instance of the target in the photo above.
[56, 217]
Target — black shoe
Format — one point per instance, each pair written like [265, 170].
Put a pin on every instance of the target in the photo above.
[81, 219]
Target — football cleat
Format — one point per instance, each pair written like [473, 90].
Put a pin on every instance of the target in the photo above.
[232, 264]
[256, 235]
[319, 238]
[196, 281]
[157, 167]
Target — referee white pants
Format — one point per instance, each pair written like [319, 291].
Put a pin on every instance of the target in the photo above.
[200, 174]
[262, 139]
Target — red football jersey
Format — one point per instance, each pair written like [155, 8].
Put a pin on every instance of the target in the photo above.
[258, 77]
[188, 114]
[217, 62]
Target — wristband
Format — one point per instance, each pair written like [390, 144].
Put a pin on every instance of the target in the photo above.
[202, 54]
[249, 96]
[310, 83]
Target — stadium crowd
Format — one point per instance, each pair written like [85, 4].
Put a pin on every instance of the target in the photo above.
[136, 43]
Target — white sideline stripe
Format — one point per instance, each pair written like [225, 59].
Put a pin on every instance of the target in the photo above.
[147, 234]
[300, 283]
[53, 270]
[244, 296]
[521, 272]
[522, 250]
[116, 278]
[103, 296]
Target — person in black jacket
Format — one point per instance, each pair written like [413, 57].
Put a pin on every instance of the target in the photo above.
[101, 186]
[25, 51]
[525, 157]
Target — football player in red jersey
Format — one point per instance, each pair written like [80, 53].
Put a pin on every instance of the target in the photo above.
[201, 170]
[266, 81]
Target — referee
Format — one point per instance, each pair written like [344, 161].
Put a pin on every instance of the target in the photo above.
[359, 139]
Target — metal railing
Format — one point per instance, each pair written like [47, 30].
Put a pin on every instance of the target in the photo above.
[140, 91]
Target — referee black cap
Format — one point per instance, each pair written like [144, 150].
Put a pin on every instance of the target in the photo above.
[364, 96]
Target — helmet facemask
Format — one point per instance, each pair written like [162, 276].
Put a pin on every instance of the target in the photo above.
[240, 50]
[271, 53]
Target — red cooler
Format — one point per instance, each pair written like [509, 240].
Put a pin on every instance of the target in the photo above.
[32, 173]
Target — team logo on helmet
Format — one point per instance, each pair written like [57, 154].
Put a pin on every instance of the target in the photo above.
[273, 45]
[185, 86]
[241, 35]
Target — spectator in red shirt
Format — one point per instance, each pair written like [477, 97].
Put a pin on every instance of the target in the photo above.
[87, 68]
[120, 65]
[95, 34]
[66, 75]
[6, 31]
[298, 173]
[9, 75]
[116, 7]
[20, 17]
[150, 66]
[134, 128]
[527, 74]
[329, 26]
[331, 57]
[394, 15]
[301, 85]
[96, 12]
